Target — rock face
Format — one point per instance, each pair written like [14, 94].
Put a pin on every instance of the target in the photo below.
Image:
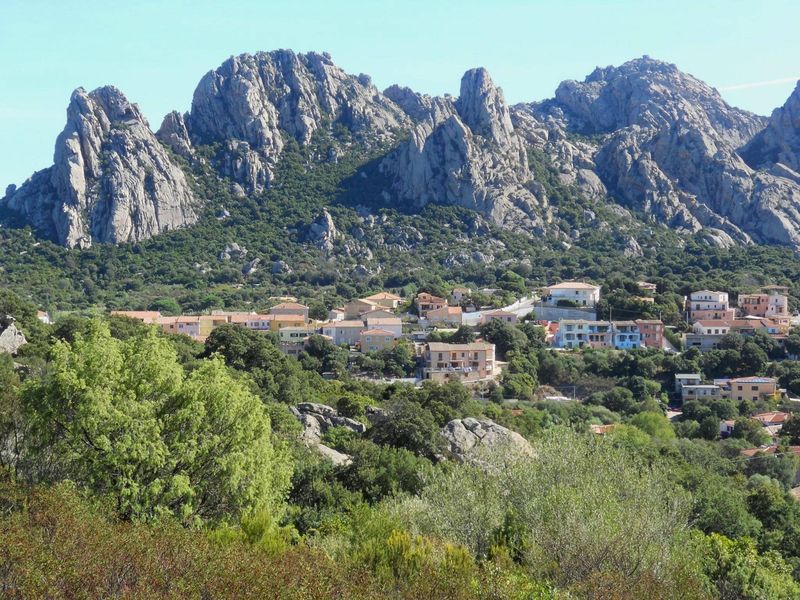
[466, 437]
[11, 339]
[669, 149]
[466, 153]
[252, 103]
[316, 420]
[111, 180]
[323, 233]
[779, 141]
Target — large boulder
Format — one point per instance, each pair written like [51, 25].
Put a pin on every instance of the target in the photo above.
[11, 339]
[467, 438]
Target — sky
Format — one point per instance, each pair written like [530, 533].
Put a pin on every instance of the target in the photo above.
[156, 51]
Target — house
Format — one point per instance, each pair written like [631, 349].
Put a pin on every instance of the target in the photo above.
[392, 324]
[347, 332]
[447, 315]
[707, 333]
[336, 314]
[278, 322]
[460, 293]
[44, 317]
[700, 392]
[355, 308]
[253, 321]
[726, 427]
[751, 388]
[148, 317]
[707, 304]
[375, 340]
[682, 379]
[647, 287]
[499, 315]
[385, 299]
[571, 293]
[198, 327]
[579, 333]
[290, 308]
[652, 331]
[293, 339]
[467, 363]
[426, 302]
[625, 335]
[772, 302]
[603, 429]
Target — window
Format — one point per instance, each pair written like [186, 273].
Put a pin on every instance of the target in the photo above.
[754, 388]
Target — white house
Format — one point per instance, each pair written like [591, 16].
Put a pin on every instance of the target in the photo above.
[577, 292]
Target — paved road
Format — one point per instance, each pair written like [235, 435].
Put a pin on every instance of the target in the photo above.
[521, 307]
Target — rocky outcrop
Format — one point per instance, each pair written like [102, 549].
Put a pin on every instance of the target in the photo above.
[252, 103]
[316, 419]
[779, 141]
[467, 438]
[323, 233]
[11, 339]
[669, 149]
[466, 153]
[174, 134]
[111, 180]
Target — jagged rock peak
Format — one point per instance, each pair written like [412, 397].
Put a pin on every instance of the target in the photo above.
[651, 93]
[252, 101]
[779, 142]
[482, 107]
[111, 180]
[175, 135]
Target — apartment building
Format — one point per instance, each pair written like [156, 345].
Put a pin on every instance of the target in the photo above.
[652, 331]
[579, 333]
[467, 363]
[426, 302]
[771, 302]
[375, 340]
[571, 293]
[290, 308]
[707, 304]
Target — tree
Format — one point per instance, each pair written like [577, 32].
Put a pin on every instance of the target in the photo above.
[121, 418]
[505, 337]
[791, 429]
[167, 306]
[750, 430]
[408, 425]
[654, 424]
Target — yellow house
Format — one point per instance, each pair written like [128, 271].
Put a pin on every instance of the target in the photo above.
[278, 322]
[375, 340]
[355, 308]
[385, 299]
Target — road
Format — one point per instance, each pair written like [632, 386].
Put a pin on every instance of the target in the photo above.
[521, 307]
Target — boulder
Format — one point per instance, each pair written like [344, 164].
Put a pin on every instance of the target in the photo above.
[466, 438]
[11, 339]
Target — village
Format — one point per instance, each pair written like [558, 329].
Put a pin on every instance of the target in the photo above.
[379, 322]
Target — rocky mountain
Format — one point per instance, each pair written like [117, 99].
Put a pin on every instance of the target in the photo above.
[644, 140]
[667, 145]
[466, 153]
[779, 142]
[111, 181]
[252, 104]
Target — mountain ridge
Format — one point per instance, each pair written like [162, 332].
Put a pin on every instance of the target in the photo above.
[660, 142]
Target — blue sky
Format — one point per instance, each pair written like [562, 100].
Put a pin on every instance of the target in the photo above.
[156, 51]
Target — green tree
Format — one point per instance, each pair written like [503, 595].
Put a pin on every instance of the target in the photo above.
[654, 424]
[408, 425]
[121, 418]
